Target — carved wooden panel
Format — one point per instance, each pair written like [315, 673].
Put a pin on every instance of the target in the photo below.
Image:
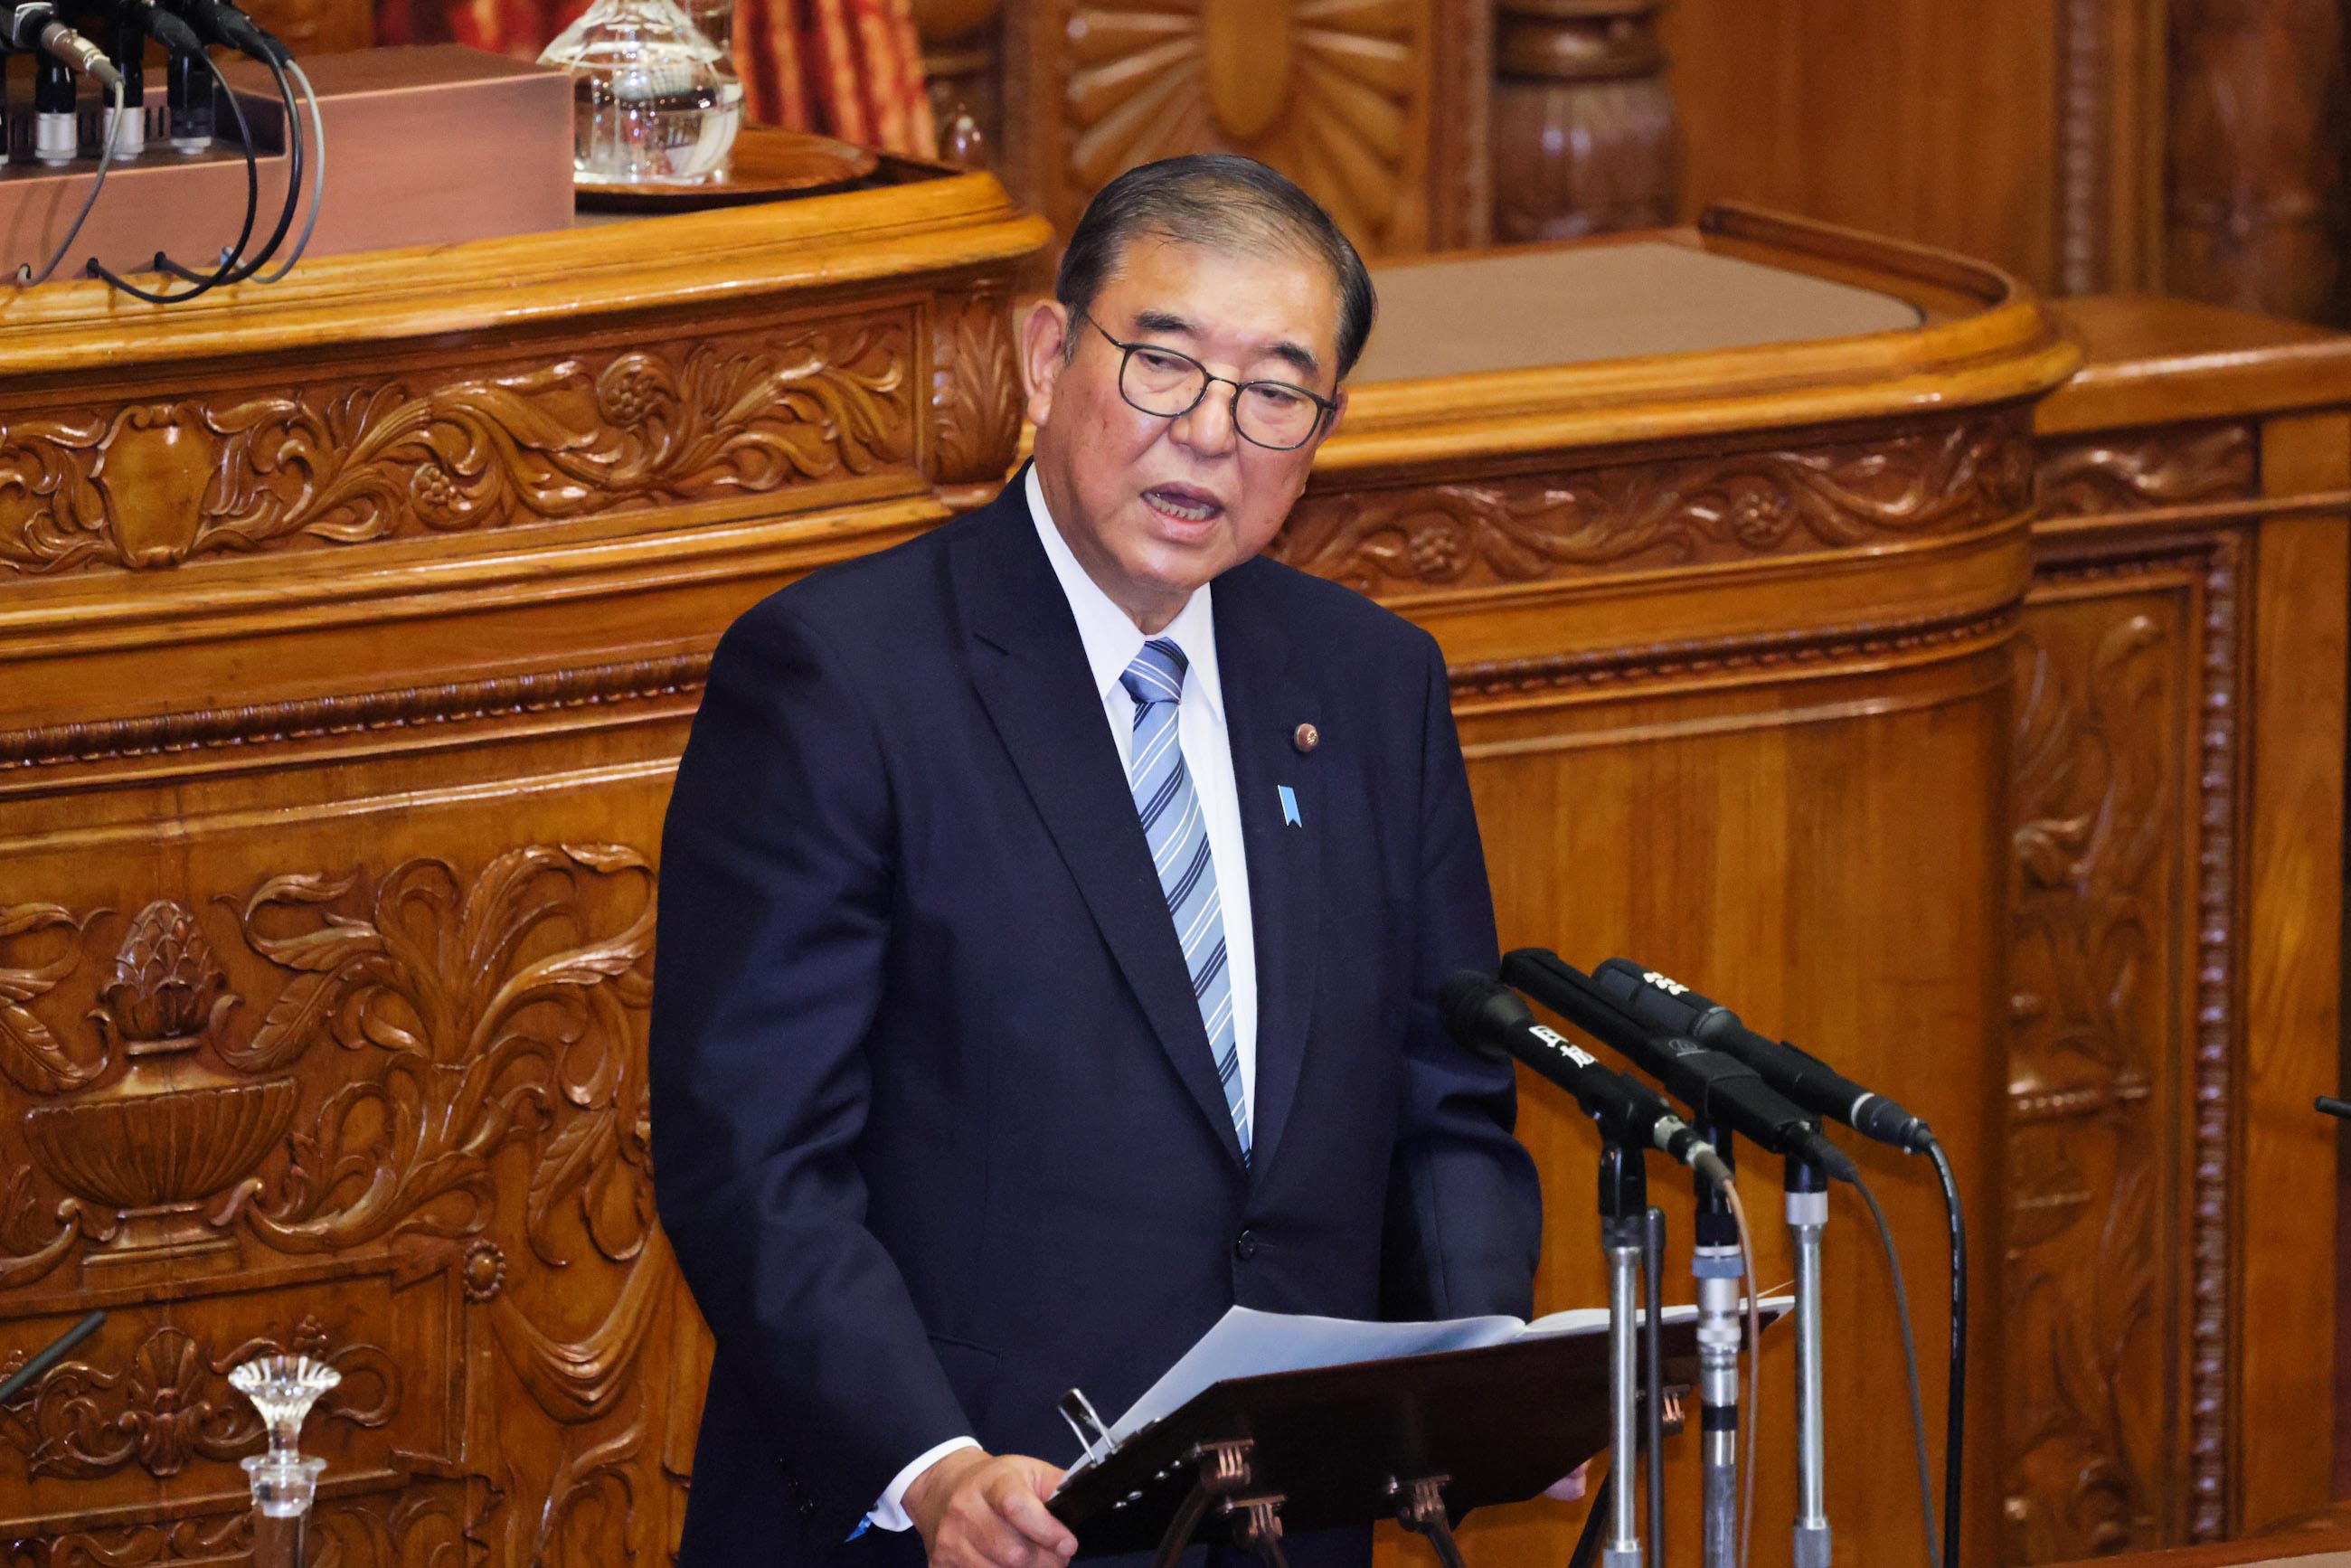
[388, 1110]
[2116, 471]
[348, 666]
[2124, 1049]
[1715, 507]
[340, 462]
[1366, 103]
[975, 392]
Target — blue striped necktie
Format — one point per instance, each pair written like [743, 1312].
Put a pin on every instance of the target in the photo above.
[1179, 836]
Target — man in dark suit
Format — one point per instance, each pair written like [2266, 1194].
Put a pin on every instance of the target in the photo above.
[1052, 913]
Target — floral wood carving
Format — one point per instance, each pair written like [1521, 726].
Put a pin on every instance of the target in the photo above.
[2132, 471]
[1687, 510]
[154, 485]
[486, 1006]
[210, 1540]
[30, 1051]
[975, 395]
[2127, 705]
[442, 1020]
[172, 1130]
[2097, 758]
[168, 1403]
[32, 1241]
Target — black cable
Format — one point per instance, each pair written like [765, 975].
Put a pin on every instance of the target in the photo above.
[317, 145]
[1956, 1404]
[48, 1355]
[1909, 1365]
[229, 256]
[1587, 1545]
[294, 142]
[297, 149]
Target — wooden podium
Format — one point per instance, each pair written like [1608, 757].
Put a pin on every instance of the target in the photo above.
[350, 630]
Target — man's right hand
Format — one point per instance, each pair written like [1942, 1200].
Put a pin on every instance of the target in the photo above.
[977, 1510]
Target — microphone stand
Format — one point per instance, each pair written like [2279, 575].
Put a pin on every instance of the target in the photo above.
[1652, 1376]
[1715, 1264]
[1624, 1228]
[1808, 1216]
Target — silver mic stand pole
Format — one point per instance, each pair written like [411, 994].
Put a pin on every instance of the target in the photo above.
[1715, 1264]
[1808, 1216]
[1623, 1236]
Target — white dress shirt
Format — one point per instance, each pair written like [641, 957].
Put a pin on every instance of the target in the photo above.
[1111, 641]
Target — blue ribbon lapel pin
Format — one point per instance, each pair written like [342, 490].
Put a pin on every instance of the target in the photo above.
[1289, 805]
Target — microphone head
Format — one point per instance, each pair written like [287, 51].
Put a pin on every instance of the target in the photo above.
[170, 32]
[1471, 1004]
[1663, 1002]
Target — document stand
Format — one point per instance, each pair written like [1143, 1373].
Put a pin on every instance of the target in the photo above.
[1421, 1439]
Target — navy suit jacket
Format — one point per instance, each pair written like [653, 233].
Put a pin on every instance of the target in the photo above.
[936, 1126]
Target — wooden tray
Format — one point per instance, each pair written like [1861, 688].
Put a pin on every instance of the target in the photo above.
[768, 164]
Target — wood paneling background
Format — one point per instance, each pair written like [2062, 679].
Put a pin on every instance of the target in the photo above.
[1933, 119]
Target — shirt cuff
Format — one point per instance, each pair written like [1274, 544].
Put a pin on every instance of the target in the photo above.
[890, 1514]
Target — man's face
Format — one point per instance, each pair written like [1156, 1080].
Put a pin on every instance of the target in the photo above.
[1154, 508]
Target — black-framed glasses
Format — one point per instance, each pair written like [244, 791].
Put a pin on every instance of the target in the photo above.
[1162, 382]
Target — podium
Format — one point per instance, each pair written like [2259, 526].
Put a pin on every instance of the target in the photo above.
[1421, 1438]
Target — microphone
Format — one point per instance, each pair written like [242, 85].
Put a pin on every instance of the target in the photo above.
[56, 134]
[188, 92]
[187, 82]
[225, 24]
[126, 124]
[1721, 1087]
[1485, 1015]
[34, 26]
[1668, 1005]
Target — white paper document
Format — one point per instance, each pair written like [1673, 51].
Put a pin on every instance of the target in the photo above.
[1246, 1343]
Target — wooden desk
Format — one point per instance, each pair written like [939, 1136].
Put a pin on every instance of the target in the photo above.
[1732, 634]
[1774, 673]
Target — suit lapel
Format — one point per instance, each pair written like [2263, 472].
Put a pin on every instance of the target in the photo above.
[1265, 702]
[1031, 669]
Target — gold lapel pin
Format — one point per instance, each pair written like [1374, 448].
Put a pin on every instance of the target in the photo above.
[1305, 738]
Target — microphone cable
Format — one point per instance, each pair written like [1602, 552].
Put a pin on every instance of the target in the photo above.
[298, 164]
[230, 254]
[1754, 1412]
[317, 174]
[26, 278]
[1909, 1366]
[1955, 1404]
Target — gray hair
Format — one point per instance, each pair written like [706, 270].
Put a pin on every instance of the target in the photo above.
[1223, 202]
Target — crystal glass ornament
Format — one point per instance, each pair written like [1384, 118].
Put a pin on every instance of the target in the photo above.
[283, 1388]
[651, 99]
